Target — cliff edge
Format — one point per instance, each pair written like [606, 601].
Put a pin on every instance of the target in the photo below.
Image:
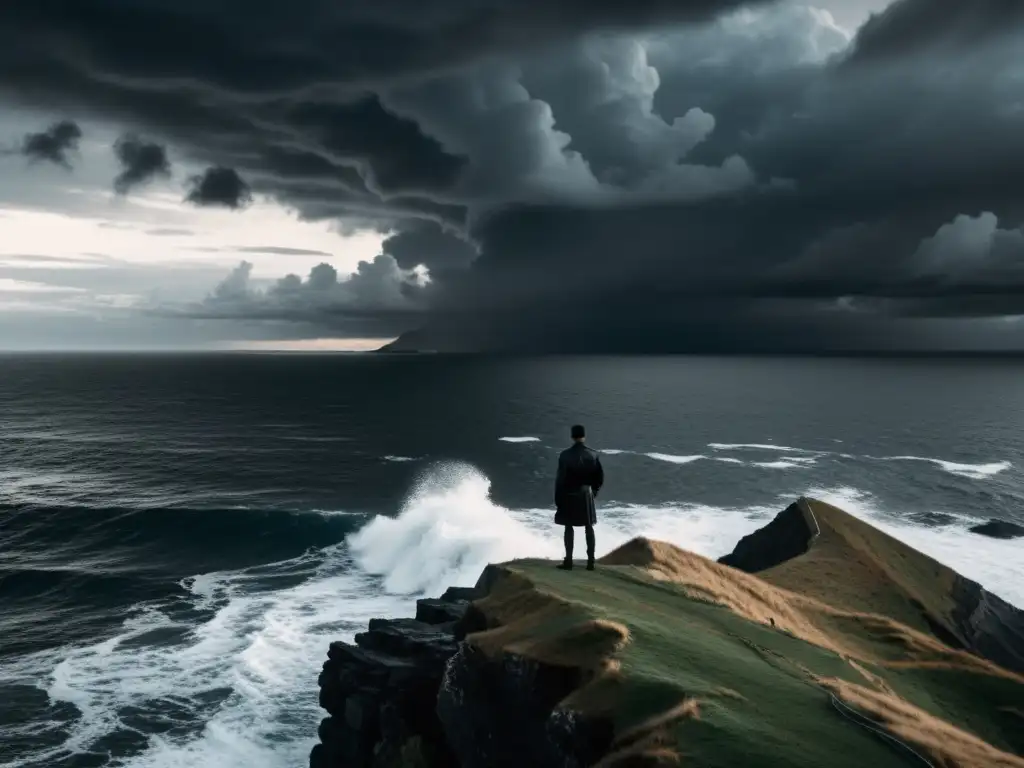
[829, 653]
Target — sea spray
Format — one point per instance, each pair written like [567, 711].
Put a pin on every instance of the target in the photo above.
[447, 531]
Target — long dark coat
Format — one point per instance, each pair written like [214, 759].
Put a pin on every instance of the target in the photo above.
[579, 479]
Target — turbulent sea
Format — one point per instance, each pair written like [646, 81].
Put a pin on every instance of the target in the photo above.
[182, 536]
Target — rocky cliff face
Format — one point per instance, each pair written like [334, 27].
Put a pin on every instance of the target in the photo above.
[381, 692]
[988, 625]
[410, 693]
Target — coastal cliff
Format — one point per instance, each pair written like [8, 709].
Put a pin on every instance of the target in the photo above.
[819, 641]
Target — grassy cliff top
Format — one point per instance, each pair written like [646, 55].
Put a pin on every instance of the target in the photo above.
[703, 664]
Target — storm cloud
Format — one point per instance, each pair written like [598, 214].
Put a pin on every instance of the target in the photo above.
[219, 186]
[140, 161]
[660, 175]
[54, 144]
[379, 299]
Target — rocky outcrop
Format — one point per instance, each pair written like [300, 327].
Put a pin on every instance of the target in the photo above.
[988, 625]
[501, 713]
[788, 535]
[958, 611]
[381, 692]
[999, 529]
[413, 693]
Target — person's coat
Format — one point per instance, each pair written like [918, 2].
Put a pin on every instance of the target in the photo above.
[579, 479]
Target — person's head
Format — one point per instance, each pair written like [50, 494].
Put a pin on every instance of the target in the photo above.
[578, 433]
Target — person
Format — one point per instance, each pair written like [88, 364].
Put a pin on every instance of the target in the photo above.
[579, 480]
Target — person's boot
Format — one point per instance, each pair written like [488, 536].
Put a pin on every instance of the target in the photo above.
[590, 562]
[565, 565]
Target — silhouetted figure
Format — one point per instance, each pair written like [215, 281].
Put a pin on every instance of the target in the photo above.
[580, 477]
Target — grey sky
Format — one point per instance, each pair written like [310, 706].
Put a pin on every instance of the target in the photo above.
[713, 174]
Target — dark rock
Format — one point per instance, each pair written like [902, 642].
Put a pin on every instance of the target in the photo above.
[988, 626]
[500, 713]
[381, 692]
[461, 594]
[787, 536]
[430, 644]
[440, 611]
[999, 529]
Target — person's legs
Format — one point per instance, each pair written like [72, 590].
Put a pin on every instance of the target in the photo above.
[590, 547]
[569, 540]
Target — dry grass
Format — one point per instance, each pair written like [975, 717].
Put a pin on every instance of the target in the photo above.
[744, 594]
[652, 742]
[855, 567]
[947, 745]
[653, 757]
[867, 637]
[530, 623]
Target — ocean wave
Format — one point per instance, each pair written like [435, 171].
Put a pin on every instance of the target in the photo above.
[233, 685]
[173, 538]
[523, 439]
[759, 447]
[970, 471]
[674, 459]
[781, 464]
[398, 459]
[787, 462]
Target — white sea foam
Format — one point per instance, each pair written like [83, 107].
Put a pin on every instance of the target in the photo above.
[971, 471]
[673, 459]
[447, 531]
[261, 645]
[523, 439]
[758, 447]
[787, 463]
[254, 656]
[399, 459]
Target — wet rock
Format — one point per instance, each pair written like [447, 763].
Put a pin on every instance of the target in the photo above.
[439, 610]
[999, 529]
[429, 645]
[381, 692]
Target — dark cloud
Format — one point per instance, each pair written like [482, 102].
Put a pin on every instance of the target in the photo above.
[915, 26]
[140, 161]
[219, 186]
[585, 175]
[290, 94]
[54, 144]
[279, 47]
[426, 242]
